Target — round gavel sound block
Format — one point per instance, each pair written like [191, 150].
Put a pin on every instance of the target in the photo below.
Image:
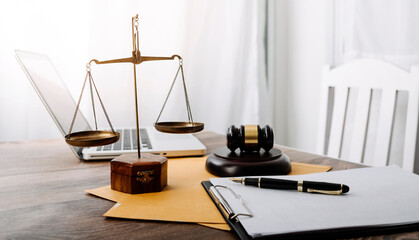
[249, 152]
[224, 163]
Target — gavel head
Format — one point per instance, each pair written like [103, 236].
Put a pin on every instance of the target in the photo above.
[250, 138]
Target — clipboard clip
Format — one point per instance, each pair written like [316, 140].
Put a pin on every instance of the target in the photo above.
[226, 208]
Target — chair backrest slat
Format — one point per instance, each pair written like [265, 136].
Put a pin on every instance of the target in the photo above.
[385, 127]
[363, 105]
[338, 123]
[411, 122]
[324, 101]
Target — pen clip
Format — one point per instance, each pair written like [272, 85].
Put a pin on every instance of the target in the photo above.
[330, 192]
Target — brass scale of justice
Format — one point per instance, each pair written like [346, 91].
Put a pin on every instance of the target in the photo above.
[93, 138]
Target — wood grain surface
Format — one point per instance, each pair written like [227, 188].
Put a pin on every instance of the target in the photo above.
[42, 197]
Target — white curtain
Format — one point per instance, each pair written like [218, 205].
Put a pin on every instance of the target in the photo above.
[222, 43]
[371, 28]
[296, 36]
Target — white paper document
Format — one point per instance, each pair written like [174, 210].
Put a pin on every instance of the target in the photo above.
[378, 196]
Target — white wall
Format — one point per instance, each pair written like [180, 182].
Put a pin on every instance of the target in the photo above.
[218, 39]
[29, 25]
[71, 33]
[300, 53]
[300, 58]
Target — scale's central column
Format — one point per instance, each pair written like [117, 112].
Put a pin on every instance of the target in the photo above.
[136, 113]
[135, 52]
[133, 173]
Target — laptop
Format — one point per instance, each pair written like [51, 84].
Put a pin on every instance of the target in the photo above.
[61, 106]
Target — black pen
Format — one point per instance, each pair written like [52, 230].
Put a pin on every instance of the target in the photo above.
[301, 186]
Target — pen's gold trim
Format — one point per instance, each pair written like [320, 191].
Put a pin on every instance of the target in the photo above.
[237, 180]
[330, 192]
[259, 183]
[300, 185]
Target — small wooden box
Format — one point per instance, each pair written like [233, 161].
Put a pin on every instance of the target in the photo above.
[132, 175]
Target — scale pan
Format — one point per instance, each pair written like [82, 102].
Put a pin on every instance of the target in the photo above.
[179, 127]
[91, 138]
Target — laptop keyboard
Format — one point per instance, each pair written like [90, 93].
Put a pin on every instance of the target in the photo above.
[128, 141]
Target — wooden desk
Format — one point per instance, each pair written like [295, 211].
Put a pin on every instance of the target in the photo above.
[42, 197]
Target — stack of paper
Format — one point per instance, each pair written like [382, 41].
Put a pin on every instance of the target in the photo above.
[378, 197]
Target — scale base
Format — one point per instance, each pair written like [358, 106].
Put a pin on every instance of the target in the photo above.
[224, 163]
[130, 174]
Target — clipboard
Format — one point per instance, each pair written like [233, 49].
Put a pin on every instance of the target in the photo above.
[230, 217]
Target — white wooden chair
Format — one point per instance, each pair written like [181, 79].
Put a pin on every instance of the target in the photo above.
[367, 75]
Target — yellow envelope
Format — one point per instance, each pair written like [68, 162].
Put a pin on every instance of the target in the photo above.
[305, 168]
[184, 199]
[107, 193]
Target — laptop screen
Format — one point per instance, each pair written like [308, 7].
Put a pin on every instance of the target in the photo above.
[52, 91]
